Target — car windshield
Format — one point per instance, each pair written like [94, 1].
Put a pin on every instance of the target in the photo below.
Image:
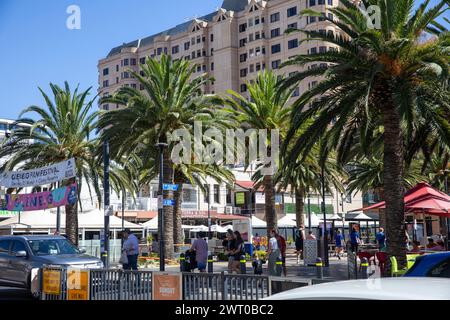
[52, 247]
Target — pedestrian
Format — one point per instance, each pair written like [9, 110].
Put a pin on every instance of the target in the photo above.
[273, 252]
[311, 236]
[381, 239]
[355, 240]
[238, 251]
[282, 245]
[339, 240]
[299, 239]
[131, 249]
[230, 244]
[200, 246]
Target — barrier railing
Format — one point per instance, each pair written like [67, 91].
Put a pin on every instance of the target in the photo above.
[137, 285]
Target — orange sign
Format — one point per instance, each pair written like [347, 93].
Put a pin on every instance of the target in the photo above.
[167, 286]
[77, 284]
[51, 282]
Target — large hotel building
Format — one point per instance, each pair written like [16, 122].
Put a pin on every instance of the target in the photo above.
[232, 44]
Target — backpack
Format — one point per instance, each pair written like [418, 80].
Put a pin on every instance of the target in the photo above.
[281, 244]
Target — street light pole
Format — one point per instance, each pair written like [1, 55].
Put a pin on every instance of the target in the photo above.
[162, 257]
[58, 218]
[325, 233]
[105, 254]
[209, 212]
[309, 211]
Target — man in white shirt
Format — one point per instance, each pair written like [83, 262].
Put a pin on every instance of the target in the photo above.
[274, 253]
[131, 248]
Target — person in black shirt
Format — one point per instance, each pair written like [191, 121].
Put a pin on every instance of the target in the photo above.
[238, 251]
[229, 243]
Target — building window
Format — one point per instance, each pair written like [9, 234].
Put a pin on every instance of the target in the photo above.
[216, 193]
[312, 19]
[330, 16]
[293, 25]
[159, 51]
[274, 33]
[117, 79]
[296, 92]
[242, 27]
[212, 38]
[198, 39]
[257, 21]
[133, 85]
[244, 72]
[242, 42]
[212, 66]
[276, 64]
[243, 57]
[276, 48]
[313, 50]
[126, 62]
[320, 2]
[250, 37]
[330, 2]
[187, 45]
[199, 68]
[142, 60]
[293, 44]
[291, 12]
[105, 84]
[322, 49]
[105, 71]
[204, 68]
[106, 107]
[252, 68]
[133, 61]
[275, 17]
[193, 55]
[312, 3]
[243, 87]
[175, 49]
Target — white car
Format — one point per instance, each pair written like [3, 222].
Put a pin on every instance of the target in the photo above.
[373, 289]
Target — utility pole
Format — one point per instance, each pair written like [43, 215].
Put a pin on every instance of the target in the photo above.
[325, 233]
[209, 211]
[162, 267]
[105, 254]
[58, 217]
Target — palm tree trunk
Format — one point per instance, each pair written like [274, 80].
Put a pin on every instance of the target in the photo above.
[177, 212]
[271, 215]
[168, 211]
[299, 206]
[71, 212]
[72, 223]
[393, 183]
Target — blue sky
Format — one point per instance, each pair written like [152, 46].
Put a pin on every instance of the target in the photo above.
[37, 48]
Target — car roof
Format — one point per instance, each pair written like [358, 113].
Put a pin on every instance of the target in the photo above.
[373, 289]
[31, 237]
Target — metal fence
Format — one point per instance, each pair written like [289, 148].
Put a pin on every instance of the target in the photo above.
[352, 265]
[120, 285]
[137, 285]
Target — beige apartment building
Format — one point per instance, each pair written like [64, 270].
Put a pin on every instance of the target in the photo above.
[232, 45]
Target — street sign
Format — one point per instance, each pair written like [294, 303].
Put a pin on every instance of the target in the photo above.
[51, 282]
[170, 187]
[167, 286]
[77, 284]
[169, 203]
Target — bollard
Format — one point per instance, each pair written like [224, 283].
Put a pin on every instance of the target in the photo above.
[364, 268]
[243, 264]
[182, 261]
[210, 264]
[279, 266]
[319, 268]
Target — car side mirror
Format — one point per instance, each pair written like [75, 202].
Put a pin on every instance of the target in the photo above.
[21, 254]
[82, 251]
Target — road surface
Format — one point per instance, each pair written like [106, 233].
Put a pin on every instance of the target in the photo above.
[14, 294]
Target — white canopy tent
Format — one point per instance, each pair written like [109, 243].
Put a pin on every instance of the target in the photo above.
[152, 225]
[287, 222]
[46, 219]
[258, 223]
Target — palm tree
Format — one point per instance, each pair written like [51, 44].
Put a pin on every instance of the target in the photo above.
[268, 108]
[172, 99]
[60, 132]
[389, 72]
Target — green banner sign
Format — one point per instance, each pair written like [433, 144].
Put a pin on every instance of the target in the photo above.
[4, 213]
[240, 198]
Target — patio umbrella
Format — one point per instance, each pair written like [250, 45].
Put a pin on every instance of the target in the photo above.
[363, 217]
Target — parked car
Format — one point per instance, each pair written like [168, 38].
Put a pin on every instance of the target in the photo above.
[373, 289]
[20, 254]
[431, 265]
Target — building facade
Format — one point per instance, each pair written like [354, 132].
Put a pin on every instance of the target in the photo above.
[231, 44]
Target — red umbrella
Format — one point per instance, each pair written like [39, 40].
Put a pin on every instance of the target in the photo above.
[422, 198]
